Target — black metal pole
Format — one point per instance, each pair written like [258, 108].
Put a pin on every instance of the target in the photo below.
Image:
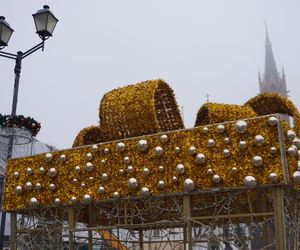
[11, 137]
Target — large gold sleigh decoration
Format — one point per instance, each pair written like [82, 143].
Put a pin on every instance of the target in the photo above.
[142, 149]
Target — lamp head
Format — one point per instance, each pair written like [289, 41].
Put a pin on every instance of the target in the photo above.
[45, 22]
[5, 32]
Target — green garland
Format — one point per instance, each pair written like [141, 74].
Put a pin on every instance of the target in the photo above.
[19, 121]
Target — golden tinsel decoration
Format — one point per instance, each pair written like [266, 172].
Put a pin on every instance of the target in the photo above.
[145, 108]
[270, 103]
[211, 113]
[87, 136]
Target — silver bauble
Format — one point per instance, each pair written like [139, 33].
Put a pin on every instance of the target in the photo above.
[174, 179]
[73, 200]
[51, 186]
[242, 144]
[19, 189]
[62, 157]
[29, 171]
[273, 177]
[227, 140]
[121, 171]
[89, 156]
[291, 135]
[296, 177]
[145, 191]
[57, 201]
[16, 174]
[95, 148]
[77, 169]
[273, 121]
[257, 161]
[249, 181]
[158, 151]
[298, 165]
[82, 185]
[241, 126]
[142, 145]
[132, 183]
[101, 190]
[192, 150]
[106, 151]
[189, 185]
[42, 170]
[120, 147]
[292, 150]
[74, 180]
[211, 143]
[234, 170]
[103, 161]
[126, 160]
[146, 171]
[180, 169]
[48, 157]
[86, 199]
[296, 142]
[220, 128]
[216, 178]
[52, 172]
[89, 166]
[161, 168]
[104, 177]
[226, 153]
[130, 169]
[33, 202]
[116, 195]
[91, 178]
[200, 158]
[205, 130]
[259, 140]
[163, 138]
[161, 185]
[177, 150]
[28, 185]
[210, 171]
[38, 186]
[273, 150]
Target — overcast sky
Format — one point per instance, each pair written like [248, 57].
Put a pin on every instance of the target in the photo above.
[198, 47]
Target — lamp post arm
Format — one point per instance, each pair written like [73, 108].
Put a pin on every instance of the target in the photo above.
[8, 55]
[34, 49]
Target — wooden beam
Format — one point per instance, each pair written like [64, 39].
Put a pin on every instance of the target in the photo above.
[13, 231]
[279, 218]
[71, 228]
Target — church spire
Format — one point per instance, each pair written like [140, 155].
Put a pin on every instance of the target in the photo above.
[271, 74]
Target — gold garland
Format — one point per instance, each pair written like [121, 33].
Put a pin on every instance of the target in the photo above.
[87, 136]
[106, 159]
[211, 113]
[270, 103]
[145, 108]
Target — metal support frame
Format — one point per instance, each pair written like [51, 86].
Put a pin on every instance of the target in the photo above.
[187, 220]
[18, 65]
[279, 218]
[71, 221]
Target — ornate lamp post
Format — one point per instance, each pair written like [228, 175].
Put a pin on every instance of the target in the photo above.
[45, 23]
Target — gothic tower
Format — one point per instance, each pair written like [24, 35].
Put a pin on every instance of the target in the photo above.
[272, 80]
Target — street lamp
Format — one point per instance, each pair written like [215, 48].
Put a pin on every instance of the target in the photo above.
[45, 23]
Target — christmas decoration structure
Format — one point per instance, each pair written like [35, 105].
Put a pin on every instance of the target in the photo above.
[141, 154]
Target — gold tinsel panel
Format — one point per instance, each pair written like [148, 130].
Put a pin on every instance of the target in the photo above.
[145, 108]
[87, 136]
[270, 103]
[211, 113]
[103, 169]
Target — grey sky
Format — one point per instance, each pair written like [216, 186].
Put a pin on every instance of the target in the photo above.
[198, 47]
